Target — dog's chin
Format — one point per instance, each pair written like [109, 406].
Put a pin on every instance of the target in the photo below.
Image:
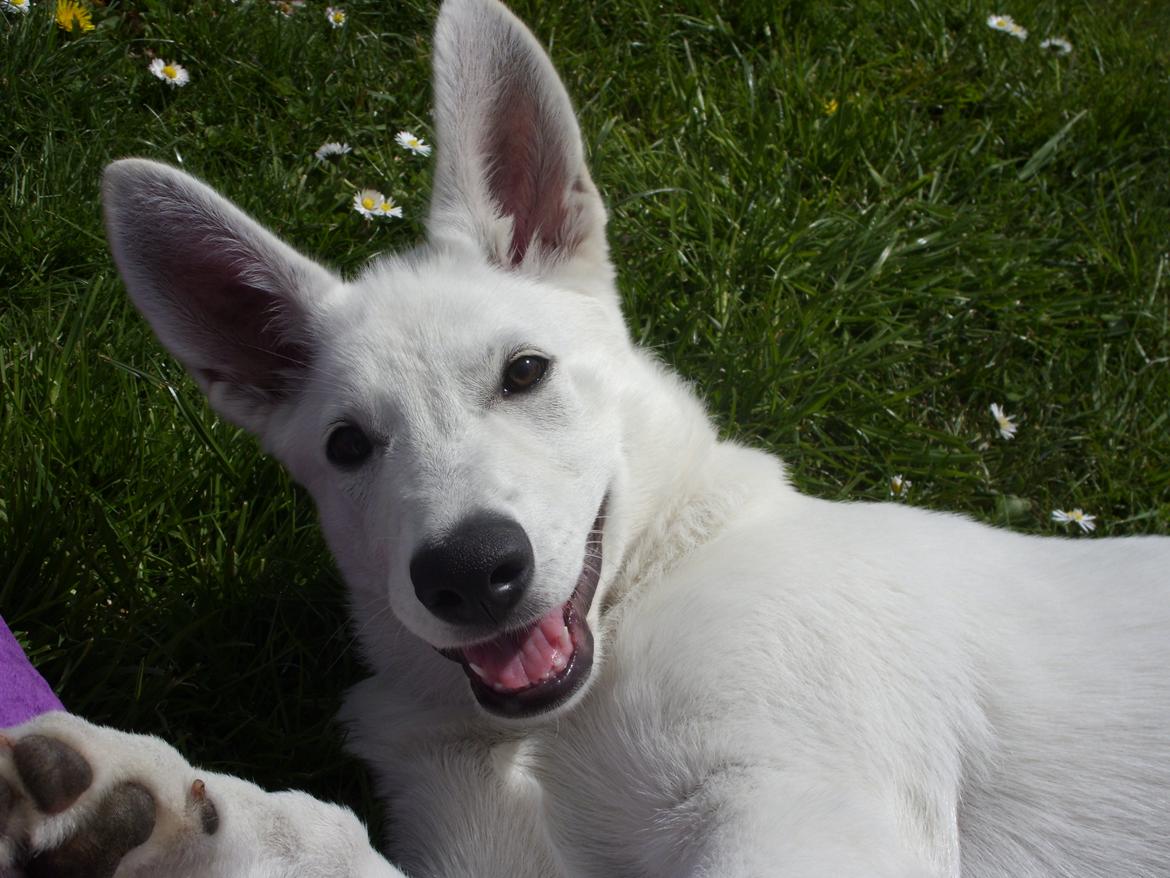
[541, 667]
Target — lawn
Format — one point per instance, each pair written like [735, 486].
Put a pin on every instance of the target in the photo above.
[853, 225]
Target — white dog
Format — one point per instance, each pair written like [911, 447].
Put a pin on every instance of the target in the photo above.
[604, 642]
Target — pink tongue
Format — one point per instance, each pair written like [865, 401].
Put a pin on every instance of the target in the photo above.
[523, 658]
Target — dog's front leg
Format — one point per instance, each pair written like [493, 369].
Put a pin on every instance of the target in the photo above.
[789, 829]
[82, 800]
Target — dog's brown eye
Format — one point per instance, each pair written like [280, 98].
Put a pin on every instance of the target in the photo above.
[524, 373]
[348, 446]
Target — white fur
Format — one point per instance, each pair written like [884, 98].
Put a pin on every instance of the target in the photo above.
[783, 686]
[260, 835]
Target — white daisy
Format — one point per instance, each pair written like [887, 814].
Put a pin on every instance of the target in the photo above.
[332, 148]
[335, 16]
[415, 144]
[368, 202]
[1000, 22]
[172, 74]
[1007, 427]
[1077, 516]
[15, 5]
[899, 486]
[1058, 45]
[389, 208]
[1007, 25]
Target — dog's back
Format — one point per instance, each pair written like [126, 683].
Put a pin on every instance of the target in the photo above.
[1010, 693]
[1076, 647]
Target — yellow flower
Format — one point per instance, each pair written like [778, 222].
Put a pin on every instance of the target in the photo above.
[830, 106]
[71, 16]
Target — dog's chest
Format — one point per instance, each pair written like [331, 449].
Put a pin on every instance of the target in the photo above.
[615, 781]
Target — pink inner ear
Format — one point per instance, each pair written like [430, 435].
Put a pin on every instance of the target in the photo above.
[527, 172]
[242, 329]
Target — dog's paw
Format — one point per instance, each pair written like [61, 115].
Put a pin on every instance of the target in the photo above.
[81, 800]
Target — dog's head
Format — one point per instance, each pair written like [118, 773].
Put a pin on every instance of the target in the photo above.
[454, 411]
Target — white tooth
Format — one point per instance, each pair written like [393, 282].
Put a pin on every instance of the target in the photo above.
[478, 670]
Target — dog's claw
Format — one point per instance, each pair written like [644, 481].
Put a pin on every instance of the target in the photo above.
[208, 815]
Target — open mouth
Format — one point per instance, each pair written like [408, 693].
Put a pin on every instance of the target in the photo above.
[536, 668]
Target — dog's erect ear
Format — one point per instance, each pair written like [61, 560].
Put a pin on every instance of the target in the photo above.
[510, 172]
[231, 301]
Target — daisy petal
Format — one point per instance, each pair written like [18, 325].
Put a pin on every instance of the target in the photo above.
[368, 202]
[332, 148]
[1082, 519]
[415, 144]
[1007, 427]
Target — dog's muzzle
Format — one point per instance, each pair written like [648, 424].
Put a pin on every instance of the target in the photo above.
[535, 667]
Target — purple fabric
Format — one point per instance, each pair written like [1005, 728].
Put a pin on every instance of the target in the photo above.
[23, 692]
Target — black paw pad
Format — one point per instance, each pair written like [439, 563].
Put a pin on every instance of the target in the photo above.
[121, 822]
[53, 772]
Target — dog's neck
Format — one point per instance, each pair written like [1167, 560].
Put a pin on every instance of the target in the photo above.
[677, 509]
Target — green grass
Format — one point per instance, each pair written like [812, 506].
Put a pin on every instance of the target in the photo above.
[977, 222]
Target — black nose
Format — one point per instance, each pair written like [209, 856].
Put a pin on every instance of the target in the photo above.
[475, 574]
